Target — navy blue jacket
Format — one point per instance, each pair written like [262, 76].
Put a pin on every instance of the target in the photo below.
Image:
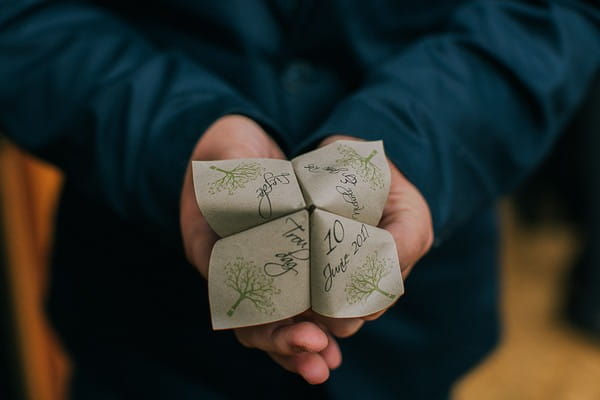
[467, 95]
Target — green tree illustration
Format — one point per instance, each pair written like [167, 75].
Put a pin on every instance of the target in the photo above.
[364, 167]
[251, 284]
[236, 178]
[366, 279]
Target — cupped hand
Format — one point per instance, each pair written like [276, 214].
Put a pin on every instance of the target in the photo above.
[299, 344]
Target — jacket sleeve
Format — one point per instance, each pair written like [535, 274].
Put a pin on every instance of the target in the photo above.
[85, 91]
[465, 113]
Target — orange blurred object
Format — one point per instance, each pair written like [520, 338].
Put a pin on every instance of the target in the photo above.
[29, 189]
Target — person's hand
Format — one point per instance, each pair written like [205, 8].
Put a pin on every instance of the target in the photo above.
[230, 137]
[407, 217]
[297, 344]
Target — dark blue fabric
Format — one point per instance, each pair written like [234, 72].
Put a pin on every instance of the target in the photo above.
[467, 95]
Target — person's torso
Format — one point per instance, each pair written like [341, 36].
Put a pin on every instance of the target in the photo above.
[295, 59]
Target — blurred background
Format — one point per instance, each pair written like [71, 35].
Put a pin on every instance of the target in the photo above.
[550, 346]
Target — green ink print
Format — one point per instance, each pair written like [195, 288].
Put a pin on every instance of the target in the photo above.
[251, 284]
[364, 167]
[235, 179]
[366, 279]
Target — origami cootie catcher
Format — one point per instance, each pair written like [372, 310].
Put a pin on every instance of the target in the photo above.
[299, 235]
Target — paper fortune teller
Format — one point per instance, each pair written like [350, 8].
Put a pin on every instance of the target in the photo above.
[299, 234]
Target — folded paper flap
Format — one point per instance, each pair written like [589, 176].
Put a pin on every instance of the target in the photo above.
[354, 267]
[234, 195]
[250, 283]
[348, 178]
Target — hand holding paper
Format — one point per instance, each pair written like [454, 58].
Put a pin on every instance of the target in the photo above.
[297, 344]
[280, 261]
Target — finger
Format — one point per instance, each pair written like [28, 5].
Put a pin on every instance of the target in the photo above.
[374, 316]
[264, 147]
[406, 216]
[333, 138]
[339, 327]
[202, 246]
[410, 249]
[236, 136]
[312, 367]
[284, 337]
[332, 353]
[198, 237]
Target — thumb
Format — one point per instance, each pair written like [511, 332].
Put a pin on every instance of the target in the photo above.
[407, 217]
